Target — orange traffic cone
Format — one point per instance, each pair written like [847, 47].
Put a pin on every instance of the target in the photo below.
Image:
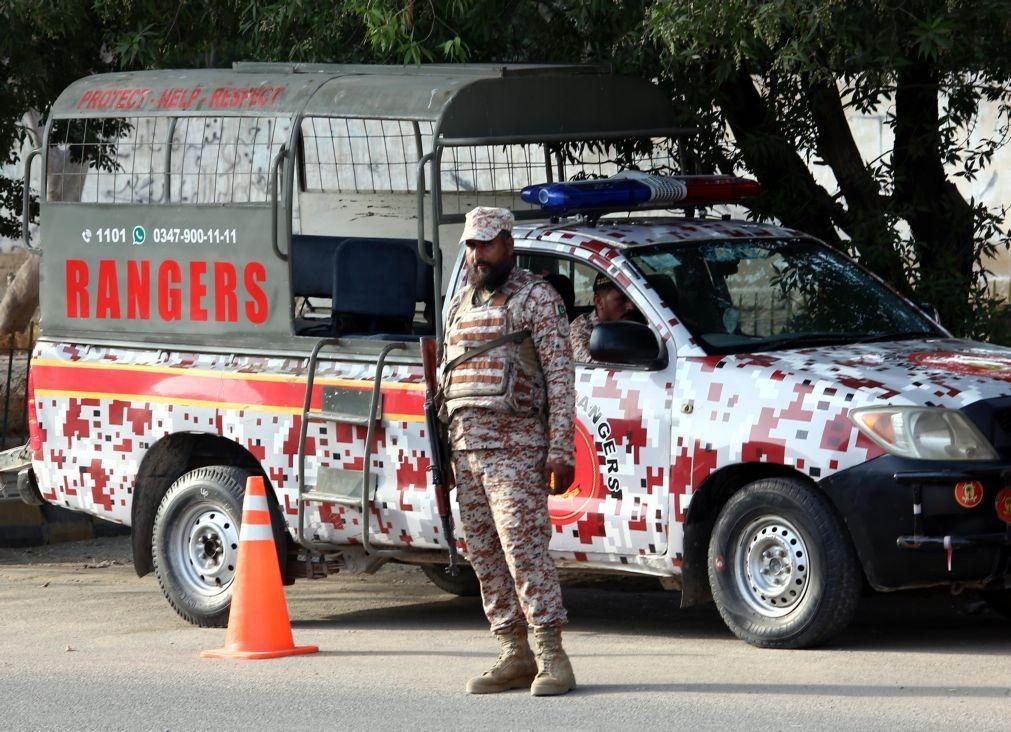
[258, 624]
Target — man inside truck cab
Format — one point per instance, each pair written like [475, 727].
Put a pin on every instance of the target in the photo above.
[509, 391]
[609, 304]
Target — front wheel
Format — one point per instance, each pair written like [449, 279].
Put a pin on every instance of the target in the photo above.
[782, 570]
[196, 541]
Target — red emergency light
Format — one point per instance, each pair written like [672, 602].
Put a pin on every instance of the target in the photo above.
[634, 190]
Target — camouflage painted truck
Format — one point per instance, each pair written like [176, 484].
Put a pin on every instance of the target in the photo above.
[238, 281]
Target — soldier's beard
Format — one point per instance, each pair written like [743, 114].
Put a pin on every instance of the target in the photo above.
[493, 277]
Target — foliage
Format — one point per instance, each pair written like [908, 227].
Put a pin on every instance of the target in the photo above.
[927, 64]
[768, 82]
[43, 47]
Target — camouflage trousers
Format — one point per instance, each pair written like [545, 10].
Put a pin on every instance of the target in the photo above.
[504, 508]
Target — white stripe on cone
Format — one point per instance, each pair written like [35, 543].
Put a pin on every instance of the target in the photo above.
[255, 503]
[256, 532]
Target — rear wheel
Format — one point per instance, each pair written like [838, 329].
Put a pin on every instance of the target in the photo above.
[196, 542]
[782, 570]
[464, 584]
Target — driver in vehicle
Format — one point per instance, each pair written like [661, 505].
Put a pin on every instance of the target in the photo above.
[609, 304]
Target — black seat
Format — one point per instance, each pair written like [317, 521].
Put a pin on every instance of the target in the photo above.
[694, 306]
[666, 289]
[312, 274]
[374, 288]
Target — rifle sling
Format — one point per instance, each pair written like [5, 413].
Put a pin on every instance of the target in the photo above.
[514, 337]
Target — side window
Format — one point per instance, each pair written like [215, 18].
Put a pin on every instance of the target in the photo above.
[573, 280]
[581, 288]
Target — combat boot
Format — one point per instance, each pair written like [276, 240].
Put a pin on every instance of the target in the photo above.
[514, 668]
[555, 675]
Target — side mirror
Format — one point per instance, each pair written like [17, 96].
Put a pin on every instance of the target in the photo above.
[627, 342]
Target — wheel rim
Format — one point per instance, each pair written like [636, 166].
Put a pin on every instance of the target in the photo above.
[772, 566]
[206, 540]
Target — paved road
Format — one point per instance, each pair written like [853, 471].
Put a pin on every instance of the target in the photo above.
[88, 645]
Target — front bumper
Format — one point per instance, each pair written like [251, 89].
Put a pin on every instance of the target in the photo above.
[910, 529]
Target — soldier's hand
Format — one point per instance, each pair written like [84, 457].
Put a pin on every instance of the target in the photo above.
[559, 476]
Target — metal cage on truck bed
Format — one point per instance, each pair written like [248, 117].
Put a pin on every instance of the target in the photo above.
[275, 164]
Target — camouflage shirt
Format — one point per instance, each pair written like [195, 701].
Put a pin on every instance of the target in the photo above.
[579, 336]
[543, 314]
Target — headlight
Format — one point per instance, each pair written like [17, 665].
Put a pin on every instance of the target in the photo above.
[927, 433]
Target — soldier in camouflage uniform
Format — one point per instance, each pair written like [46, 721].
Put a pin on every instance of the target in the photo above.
[609, 304]
[508, 386]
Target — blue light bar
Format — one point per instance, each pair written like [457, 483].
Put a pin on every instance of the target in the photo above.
[632, 189]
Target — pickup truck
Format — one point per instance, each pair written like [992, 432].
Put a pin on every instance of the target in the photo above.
[228, 294]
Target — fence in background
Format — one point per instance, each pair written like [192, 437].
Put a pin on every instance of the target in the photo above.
[16, 364]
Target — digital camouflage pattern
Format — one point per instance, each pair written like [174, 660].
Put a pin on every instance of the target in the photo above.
[579, 336]
[485, 222]
[649, 442]
[499, 461]
[543, 314]
[504, 508]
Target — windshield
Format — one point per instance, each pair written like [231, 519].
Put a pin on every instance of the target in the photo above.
[769, 294]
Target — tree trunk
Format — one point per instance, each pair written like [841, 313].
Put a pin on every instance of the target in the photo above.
[940, 219]
[21, 299]
[866, 209]
[790, 191]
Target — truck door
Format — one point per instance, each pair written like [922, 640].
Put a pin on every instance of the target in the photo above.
[618, 501]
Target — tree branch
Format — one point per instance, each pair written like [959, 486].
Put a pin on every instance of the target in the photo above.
[791, 192]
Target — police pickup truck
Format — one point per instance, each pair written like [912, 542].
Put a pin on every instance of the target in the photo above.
[236, 281]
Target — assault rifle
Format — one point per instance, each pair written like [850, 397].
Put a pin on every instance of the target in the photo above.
[440, 475]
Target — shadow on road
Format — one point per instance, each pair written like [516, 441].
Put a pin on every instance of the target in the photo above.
[932, 622]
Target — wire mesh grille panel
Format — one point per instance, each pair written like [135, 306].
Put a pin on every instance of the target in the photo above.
[162, 160]
[341, 155]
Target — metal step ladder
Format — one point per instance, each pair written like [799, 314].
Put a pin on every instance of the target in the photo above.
[352, 488]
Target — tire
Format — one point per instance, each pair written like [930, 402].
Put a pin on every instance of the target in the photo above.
[999, 601]
[196, 540]
[465, 584]
[782, 569]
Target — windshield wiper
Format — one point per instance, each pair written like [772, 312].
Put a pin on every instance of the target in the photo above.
[901, 335]
[811, 339]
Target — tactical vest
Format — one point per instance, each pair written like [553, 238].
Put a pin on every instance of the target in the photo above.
[501, 378]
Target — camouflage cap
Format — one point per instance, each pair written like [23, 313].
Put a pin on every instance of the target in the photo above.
[484, 223]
